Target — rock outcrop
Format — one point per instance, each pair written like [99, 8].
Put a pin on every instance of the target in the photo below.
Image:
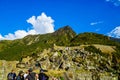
[69, 63]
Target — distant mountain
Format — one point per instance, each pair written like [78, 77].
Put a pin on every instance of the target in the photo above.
[91, 38]
[115, 39]
[34, 44]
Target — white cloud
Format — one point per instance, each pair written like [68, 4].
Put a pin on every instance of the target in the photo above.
[115, 32]
[41, 24]
[10, 36]
[1, 37]
[115, 2]
[95, 23]
[32, 32]
[17, 35]
[97, 29]
[107, 0]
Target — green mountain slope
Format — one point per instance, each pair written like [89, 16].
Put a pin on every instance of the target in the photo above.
[33, 44]
[90, 38]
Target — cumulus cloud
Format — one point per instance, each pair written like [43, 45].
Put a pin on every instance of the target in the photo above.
[115, 32]
[40, 25]
[1, 37]
[17, 34]
[115, 2]
[95, 23]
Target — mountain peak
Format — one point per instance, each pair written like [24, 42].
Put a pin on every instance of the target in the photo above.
[67, 27]
[65, 30]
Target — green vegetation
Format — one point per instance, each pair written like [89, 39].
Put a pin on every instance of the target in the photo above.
[33, 44]
[92, 38]
[93, 49]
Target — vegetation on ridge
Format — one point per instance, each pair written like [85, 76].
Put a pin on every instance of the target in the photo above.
[33, 44]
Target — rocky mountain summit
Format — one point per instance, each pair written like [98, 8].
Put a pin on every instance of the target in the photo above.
[64, 54]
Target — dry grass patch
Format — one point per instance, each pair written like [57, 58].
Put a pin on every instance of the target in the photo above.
[105, 48]
[55, 73]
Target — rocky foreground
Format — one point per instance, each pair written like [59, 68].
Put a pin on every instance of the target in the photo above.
[66, 63]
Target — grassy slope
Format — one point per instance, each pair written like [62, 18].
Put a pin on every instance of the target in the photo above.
[14, 50]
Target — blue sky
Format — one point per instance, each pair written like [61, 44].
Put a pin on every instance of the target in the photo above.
[19, 18]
